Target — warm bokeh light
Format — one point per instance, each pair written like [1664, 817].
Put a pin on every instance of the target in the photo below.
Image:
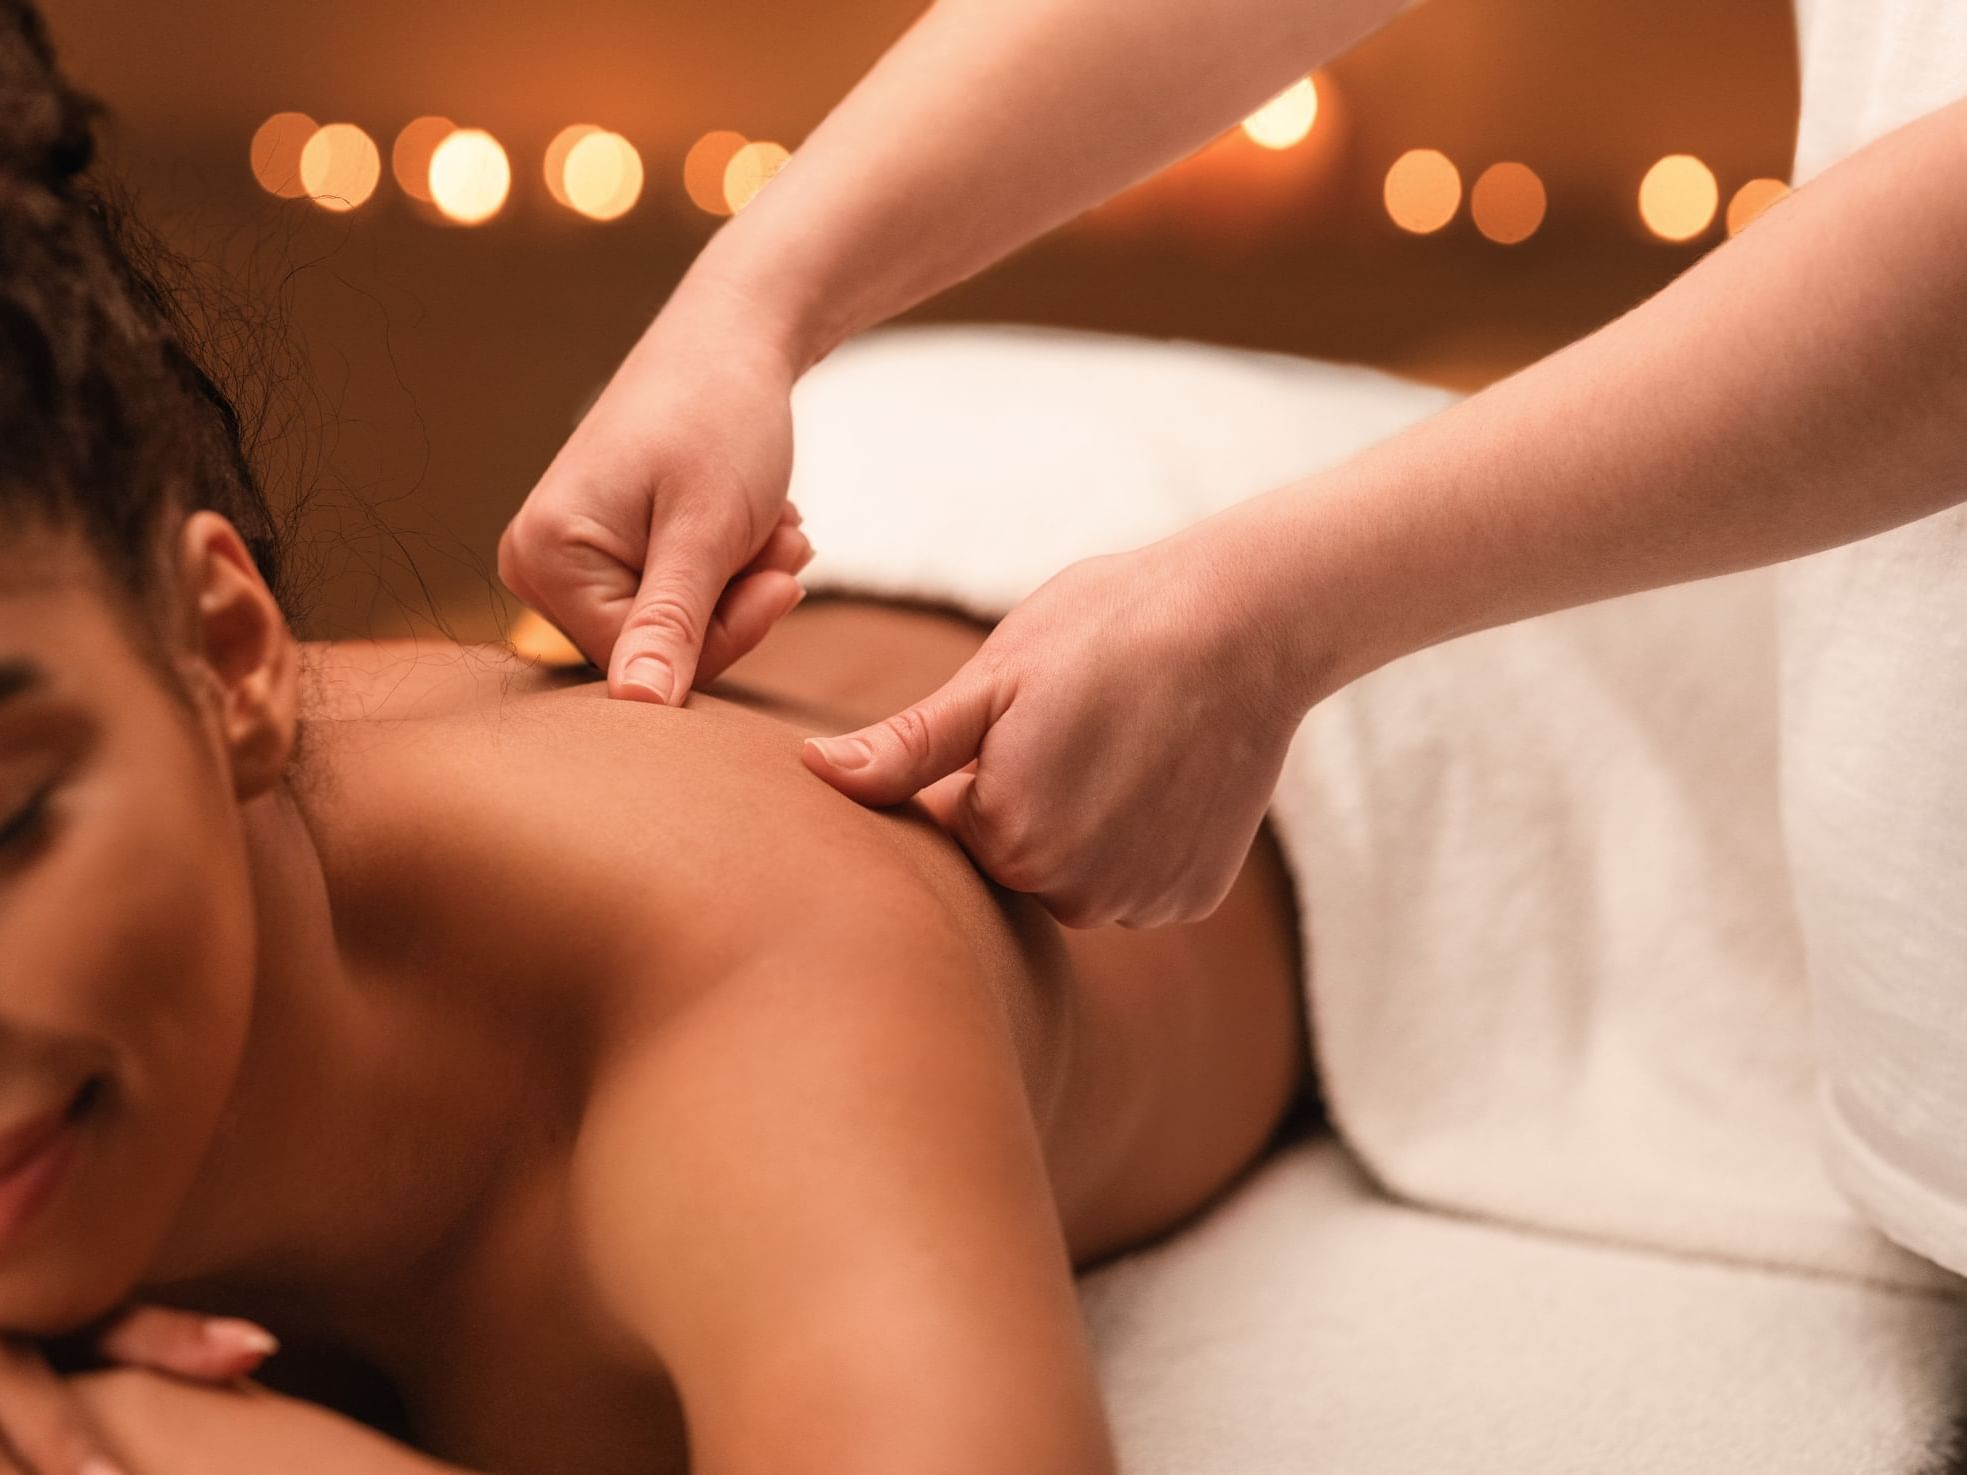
[469, 176]
[276, 153]
[1751, 200]
[1677, 198]
[409, 157]
[1287, 118]
[750, 170]
[602, 176]
[1423, 191]
[704, 166]
[535, 639]
[340, 166]
[554, 167]
[1507, 203]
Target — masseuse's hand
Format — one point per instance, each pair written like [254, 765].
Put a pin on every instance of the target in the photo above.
[660, 539]
[1126, 724]
[46, 1430]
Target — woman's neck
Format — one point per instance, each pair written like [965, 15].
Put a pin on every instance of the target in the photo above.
[365, 1128]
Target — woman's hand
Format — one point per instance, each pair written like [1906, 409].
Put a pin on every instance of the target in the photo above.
[49, 1429]
[160, 1425]
[1112, 746]
[660, 539]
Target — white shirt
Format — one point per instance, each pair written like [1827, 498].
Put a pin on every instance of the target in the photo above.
[1873, 691]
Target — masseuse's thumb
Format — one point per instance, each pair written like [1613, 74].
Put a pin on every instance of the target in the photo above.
[893, 760]
[655, 656]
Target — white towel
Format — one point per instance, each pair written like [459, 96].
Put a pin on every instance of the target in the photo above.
[1555, 976]
[1311, 1326]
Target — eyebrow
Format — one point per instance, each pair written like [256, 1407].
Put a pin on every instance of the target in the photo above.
[17, 677]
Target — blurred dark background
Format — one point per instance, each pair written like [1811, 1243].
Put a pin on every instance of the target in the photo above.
[423, 372]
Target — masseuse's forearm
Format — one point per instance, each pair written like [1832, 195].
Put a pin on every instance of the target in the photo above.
[1802, 387]
[991, 122]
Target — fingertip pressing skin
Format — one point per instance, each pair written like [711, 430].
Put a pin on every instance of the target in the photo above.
[751, 606]
[645, 678]
[893, 760]
[838, 754]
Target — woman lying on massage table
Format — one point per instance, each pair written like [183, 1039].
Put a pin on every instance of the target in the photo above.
[589, 1114]
[623, 1098]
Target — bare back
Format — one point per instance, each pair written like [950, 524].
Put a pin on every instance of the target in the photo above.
[587, 870]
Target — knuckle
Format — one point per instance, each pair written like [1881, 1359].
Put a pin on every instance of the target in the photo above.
[1024, 840]
[1170, 908]
[666, 615]
[991, 820]
[1022, 868]
[1009, 871]
[1209, 904]
[515, 548]
[578, 529]
[913, 731]
[529, 529]
[1081, 913]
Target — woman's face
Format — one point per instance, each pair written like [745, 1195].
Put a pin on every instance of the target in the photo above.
[127, 943]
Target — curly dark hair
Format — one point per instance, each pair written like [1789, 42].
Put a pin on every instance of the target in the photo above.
[109, 427]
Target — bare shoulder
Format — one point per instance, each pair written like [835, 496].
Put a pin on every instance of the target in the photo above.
[558, 830]
[408, 679]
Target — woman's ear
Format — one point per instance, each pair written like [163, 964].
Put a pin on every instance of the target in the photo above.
[243, 654]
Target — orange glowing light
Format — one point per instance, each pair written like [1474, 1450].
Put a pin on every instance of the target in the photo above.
[1423, 191]
[1287, 118]
[750, 170]
[1751, 200]
[1507, 203]
[340, 166]
[602, 176]
[276, 153]
[409, 156]
[1677, 198]
[704, 166]
[469, 176]
[555, 164]
[534, 638]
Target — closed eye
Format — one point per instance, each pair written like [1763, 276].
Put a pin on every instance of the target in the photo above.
[24, 824]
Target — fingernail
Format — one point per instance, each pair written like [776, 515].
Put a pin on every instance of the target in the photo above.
[650, 674]
[798, 598]
[844, 753]
[241, 1336]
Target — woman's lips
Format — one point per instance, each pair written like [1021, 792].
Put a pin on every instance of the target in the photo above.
[33, 1158]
